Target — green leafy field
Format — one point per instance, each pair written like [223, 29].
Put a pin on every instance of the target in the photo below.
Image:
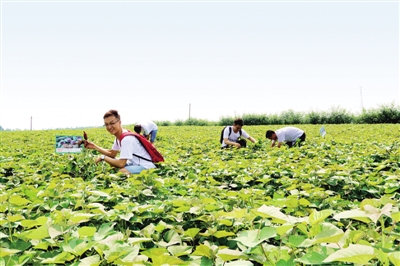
[333, 201]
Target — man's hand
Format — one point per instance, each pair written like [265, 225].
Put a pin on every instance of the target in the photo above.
[89, 145]
[98, 159]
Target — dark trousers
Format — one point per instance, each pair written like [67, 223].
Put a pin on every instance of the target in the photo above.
[297, 142]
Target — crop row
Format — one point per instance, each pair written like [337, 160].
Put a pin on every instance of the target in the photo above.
[332, 201]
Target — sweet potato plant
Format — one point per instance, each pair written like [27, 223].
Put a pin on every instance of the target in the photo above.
[332, 201]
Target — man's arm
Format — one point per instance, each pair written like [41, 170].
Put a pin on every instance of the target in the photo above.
[252, 139]
[228, 142]
[278, 144]
[119, 163]
[106, 152]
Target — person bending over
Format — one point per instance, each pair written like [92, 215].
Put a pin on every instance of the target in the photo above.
[149, 129]
[288, 135]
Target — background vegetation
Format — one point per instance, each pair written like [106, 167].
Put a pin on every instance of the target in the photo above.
[385, 114]
[389, 114]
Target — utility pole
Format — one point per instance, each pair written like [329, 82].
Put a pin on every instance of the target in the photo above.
[361, 97]
[31, 123]
[189, 110]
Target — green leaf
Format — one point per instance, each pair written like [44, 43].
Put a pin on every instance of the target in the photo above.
[353, 214]
[225, 222]
[148, 192]
[19, 244]
[252, 238]
[394, 257]
[283, 229]
[203, 250]
[117, 251]
[18, 200]
[155, 252]
[104, 230]
[44, 245]
[317, 217]
[182, 209]
[238, 263]
[178, 251]
[329, 234]
[358, 254]
[382, 257]
[137, 240]
[166, 260]
[172, 238]
[396, 216]
[15, 218]
[228, 254]
[59, 259]
[98, 193]
[86, 231]
[132, 256]
[5, 252]
[31, 223]
[273, 212]
[374, 213]
[55, 231]
[211, 207]
[80, 218]
[90, 261]
[296, 240]
[192, 232]
[39, 233]
[236, 213]
[220, 234]
[312, 258]
[208, 200]
[304, 202]
[205, 261]
[77, 246]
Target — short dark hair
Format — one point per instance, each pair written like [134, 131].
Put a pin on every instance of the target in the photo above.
[239, 122]
[269, 133]
[112, 113]
[137, 128]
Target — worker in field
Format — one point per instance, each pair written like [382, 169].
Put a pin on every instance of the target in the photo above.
[133, 158]
[149, 129]
[291, 136]
[235, 136]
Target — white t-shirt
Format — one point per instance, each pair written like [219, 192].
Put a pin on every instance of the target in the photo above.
[233, 136]
[148, 126]
[131, 145]
[289, 134]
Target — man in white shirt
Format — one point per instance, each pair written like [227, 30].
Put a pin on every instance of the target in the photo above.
[133, 156]
[287, 135]
[149, 129]
[231, 135]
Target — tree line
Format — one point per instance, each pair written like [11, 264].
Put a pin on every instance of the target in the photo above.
[385, 114]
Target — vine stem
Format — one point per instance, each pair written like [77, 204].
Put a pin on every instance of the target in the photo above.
[383, 228]
[265, 254]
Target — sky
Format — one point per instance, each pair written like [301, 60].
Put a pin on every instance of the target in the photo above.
[65, 63]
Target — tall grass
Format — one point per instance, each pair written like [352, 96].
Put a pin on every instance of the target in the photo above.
[384, 114]
[389, 114]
